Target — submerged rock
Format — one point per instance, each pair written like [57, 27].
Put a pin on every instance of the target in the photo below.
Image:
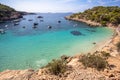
[90, 30]
[94, 43]
[76, 33]
[23, 26]
[41, 20]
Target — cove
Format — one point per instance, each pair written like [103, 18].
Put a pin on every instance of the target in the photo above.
[22, 48]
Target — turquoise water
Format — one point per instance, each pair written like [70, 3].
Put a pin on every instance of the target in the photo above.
[32, 48]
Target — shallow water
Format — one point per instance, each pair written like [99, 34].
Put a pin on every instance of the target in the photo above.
[22, 48]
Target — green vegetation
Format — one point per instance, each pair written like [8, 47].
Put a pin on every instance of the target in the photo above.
[101, 15]
[105, 54]
[8, 13]
[5, 8]
[5, 11]
[57, 67]
[94, 61]
[118, 46]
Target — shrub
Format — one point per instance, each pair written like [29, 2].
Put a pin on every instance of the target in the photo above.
[118, 46]
[64, 57]
[105, 54]
[94, 61]
[102, 15]
[57, 66]
[103, 23]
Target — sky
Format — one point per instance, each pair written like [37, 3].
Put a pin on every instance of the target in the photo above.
[57, 5]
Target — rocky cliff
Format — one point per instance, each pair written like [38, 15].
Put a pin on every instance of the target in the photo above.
[8, 13]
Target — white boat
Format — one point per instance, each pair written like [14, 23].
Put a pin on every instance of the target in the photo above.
[6, 26]
[17, 20]
[2, 31]
[49, 27]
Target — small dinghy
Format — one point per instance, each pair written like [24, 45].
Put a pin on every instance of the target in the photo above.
[6, 26]
[75, 25]
[35, 24]
[59, 21]
[2, 31]
[17, 20]
[39, 17]
[49, 27]
[16, 24]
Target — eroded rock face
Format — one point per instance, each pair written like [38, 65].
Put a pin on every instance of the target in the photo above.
[76, 33]
[12, 15]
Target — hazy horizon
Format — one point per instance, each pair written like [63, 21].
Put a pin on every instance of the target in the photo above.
[55, 6]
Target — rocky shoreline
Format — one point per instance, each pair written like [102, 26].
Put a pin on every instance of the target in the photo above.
[12, 15]
[108, 46]
[90, 23]
[76, 70]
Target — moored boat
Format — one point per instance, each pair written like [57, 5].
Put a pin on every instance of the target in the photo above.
[2, 31]
[17, 20]
[49, 27]
[39, 17]
[35, 24]
[6, 26]
[16, 24]
[59, 21]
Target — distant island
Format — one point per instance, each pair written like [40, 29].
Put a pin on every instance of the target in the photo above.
[98, 16]
[99, 65]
